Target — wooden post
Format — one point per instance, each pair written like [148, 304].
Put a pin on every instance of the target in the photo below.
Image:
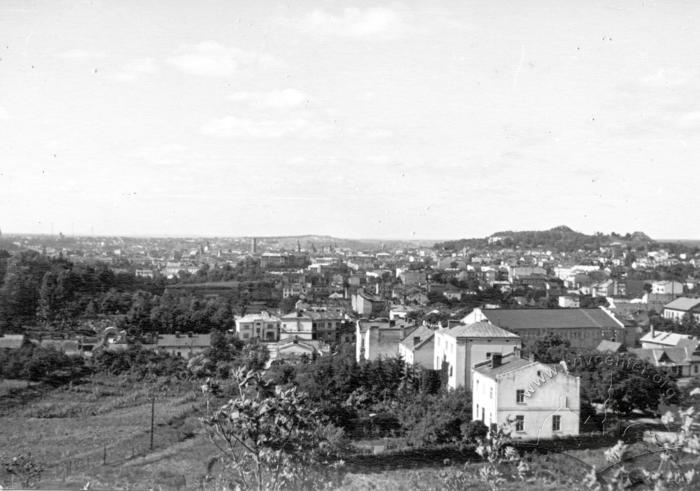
[153, 412]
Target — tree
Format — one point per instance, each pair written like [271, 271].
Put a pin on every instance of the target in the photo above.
[273, 439]
[552, 348]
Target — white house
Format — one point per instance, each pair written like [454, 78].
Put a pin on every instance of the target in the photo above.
[664, 339]
[418, 347]
[676, 309]
[262, 326]
[378, 338]
[667, 287]
[463, 346]
[540, 401]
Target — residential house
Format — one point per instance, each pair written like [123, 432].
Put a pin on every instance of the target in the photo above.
[682, 361]
[262, 326]
[312, 325]
[182, 345]
[459, 348]
[365, 304]
[418, 347]
[667, 287]
[584, 328]
[677, 309]
[539, 401]
[377, 338]
[665, 339]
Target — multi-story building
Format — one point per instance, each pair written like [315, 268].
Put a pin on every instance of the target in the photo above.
[261, 326]
[459, 348]
[538, 401]
[312, 325]
[418, 348]
[377, 338]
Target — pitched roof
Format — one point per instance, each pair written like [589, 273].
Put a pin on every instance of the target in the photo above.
[509, 363]
[666, 338]
[683, 303]
[423, 332]
[479, 330]
[607, 345]
[551, 318]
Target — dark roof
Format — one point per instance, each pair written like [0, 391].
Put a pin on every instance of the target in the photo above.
[184, 341]
[550, 318]
[423, 332]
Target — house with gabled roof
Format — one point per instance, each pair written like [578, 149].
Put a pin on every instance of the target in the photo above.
[418, 347]
[459, 348]
[538, 401]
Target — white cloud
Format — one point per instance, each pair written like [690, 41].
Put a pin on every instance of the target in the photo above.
[276, 99]
[78, 54]
[136, 69]
[373, 22]
[233, 127]
[689, 119]
[667, 78]
[4, 114]
[211, 59]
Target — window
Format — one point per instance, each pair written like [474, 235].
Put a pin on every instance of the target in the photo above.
[450, 370]
[519, 423]
[491, 393]
[488, 356]
[520, 396]
[696, 369]
[556, 423]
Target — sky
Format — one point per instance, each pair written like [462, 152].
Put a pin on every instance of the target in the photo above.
[426, 120]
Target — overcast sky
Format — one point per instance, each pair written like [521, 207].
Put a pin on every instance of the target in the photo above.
[384, 119]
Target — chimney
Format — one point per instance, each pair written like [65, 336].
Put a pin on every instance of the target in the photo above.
[496, 359]
[651, 330]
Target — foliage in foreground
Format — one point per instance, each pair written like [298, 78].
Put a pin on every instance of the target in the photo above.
[273, 438]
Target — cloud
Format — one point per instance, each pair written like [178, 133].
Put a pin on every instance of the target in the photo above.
[690, 119]
[373, 22]
[233, 127]
[136, 69]
[4, 114]
[78, 54]
[211, 59]
[276, 99]
[667, 78]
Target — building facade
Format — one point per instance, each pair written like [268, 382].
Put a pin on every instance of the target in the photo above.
[537, 401]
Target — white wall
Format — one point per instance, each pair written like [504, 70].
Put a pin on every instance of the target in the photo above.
[555, 395]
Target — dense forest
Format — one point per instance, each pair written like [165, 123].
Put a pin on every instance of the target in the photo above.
[55, 294]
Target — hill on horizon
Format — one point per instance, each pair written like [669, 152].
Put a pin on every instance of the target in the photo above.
[561, 238]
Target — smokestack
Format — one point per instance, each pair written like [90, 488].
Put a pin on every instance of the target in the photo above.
[496, 360]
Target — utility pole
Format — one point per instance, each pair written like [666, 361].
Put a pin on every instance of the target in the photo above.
[153, 412]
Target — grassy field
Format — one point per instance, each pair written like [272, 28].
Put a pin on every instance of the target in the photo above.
[100, 431]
